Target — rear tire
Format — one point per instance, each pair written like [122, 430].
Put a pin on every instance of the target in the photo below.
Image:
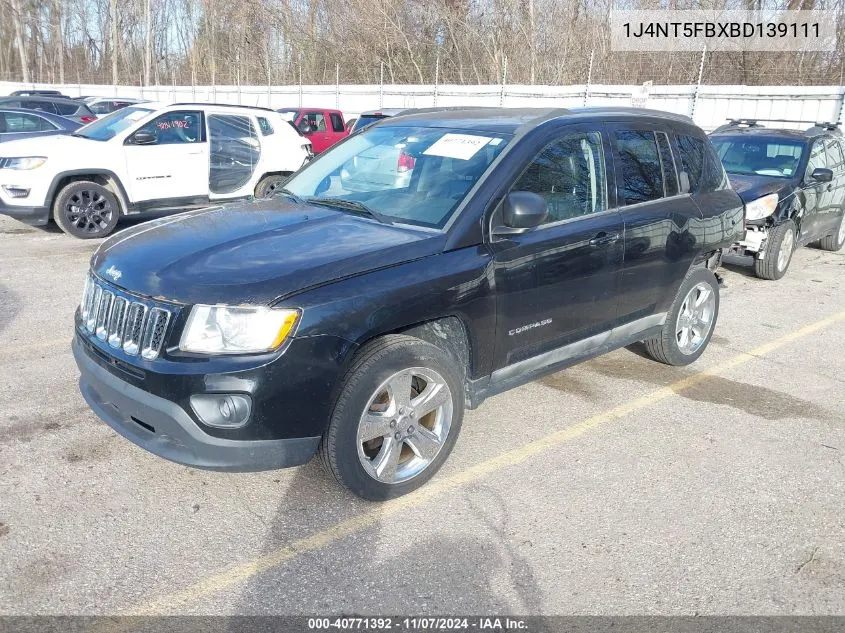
[267, 186]
[690, 321]
[86, 210]
[780, 245]
[834, 242]
[374, 420]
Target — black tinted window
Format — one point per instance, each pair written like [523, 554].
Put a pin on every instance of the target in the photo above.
[69, 108]
[642, 178]
[700, 163]
[337, 122]
[670, 175]
[366, 119]
[569, 174]
[264, 124]
[44, 106]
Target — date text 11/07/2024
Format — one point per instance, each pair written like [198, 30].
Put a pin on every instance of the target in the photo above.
[480, 623]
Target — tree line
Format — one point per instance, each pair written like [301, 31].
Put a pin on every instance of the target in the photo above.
[253, 42]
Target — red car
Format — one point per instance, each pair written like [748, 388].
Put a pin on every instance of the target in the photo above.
[321, 126]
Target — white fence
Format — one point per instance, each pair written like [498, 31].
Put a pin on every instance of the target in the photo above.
[709, 106]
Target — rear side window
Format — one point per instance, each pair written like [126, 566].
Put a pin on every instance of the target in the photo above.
[642, 177]
[700, 163]
[670, 175]
[101, 107]
[69, 108]
[264, 124]
[20, 122]
[337, 122]
[44, 106]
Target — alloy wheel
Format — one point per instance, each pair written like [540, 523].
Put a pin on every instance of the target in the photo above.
[786, 247]
[695, 320]
[89, 211]
[404, 425]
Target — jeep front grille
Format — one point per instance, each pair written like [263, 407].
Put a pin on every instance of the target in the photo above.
[123, 321]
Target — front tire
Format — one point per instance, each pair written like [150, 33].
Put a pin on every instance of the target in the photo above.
[780, 245]
[396, 419]
[690, 321]
[268, 185]
[834, 242]
[86, 210]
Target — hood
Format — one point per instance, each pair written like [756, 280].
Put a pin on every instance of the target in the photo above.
[253, 253]
[751, 187]
[47, 145]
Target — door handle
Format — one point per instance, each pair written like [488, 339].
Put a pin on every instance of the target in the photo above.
[199, 151]
[604, 239]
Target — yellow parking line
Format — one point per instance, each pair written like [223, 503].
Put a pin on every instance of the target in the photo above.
[243, 571]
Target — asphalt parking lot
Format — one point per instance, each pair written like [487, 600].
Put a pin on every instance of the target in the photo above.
[620, 486]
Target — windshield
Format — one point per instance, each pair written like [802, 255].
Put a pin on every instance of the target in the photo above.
[114, 123]
[365, 120]
[759, 156]
[414, 175]
[289, 114]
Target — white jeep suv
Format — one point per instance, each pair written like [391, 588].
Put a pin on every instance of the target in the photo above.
[147, 157]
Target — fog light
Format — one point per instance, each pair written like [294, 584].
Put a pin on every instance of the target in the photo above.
[223, 410]
[15, 192]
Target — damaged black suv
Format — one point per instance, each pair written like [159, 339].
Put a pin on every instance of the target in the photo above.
[417, 268]
[793, 186]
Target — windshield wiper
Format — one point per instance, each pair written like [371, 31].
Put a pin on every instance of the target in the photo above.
[290, 194]
[354, 206]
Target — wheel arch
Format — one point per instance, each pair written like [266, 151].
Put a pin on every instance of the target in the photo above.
[103, 177]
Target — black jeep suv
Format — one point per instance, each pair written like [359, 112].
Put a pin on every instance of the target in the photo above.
[793, 185]
[493, 247]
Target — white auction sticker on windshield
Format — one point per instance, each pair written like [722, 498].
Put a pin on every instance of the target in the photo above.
[462, 146]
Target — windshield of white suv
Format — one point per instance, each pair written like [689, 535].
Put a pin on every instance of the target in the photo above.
[759, 156]
[105, 128]
[413, 175]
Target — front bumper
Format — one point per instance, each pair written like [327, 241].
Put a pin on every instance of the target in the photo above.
[165, 429]
[34, 216]
[753, 242]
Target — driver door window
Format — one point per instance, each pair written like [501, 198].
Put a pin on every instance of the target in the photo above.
[175, 128]
[569, 174]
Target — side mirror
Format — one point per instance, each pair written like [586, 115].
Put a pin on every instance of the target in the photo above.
[144, 138]
[822, 174]
[522, 210]
[305, 127]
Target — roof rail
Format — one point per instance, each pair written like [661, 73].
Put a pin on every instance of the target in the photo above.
[821, 127]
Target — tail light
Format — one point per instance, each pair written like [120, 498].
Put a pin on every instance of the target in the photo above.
[87, 118]
[406, 162]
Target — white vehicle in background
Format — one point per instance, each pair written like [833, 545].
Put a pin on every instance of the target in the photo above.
[147, 157]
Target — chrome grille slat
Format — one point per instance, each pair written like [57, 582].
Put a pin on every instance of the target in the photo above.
[134, 328]
[124, 322]
[91, 321]
[101, 329]
[117, 320]
[154, 332]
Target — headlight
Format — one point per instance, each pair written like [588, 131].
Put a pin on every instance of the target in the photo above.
[23, 162]
[761, 208]
[235, 330]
